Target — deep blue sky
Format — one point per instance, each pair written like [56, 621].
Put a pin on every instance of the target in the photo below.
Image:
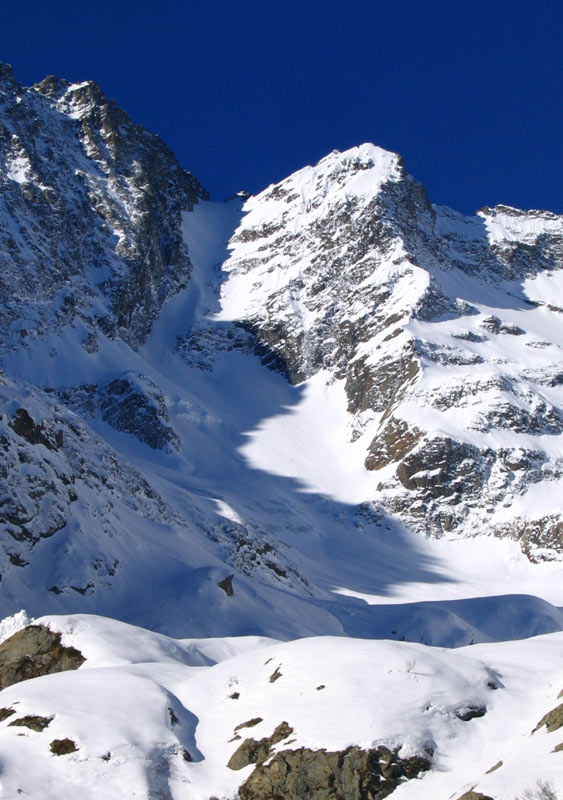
[245, 92]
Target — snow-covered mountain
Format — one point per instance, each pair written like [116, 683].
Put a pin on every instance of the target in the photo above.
[443, 329]
[331, 409]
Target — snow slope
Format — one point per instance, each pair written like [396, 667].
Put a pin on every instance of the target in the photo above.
[141, 700]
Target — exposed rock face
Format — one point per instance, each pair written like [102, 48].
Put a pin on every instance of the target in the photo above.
[143, 414]
[253, 751]
[553, 720]
[56, 475]
[25, 427]
[541, 535]
[90, 215]
[392, 445]
[32, 652]
[131, 404]
[328, 242]
[351, 774]
[35, 503]
[431, 319]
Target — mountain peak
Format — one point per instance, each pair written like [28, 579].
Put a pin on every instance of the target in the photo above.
[359, 170]
[7, 80]
[52, 87]
[364, 152]
[85, 95]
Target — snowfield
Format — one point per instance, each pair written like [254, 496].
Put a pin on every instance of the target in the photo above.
[142, 700]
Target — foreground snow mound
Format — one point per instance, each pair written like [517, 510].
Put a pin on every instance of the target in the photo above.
[149, 716]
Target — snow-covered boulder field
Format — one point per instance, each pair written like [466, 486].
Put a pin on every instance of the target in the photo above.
[149, 716]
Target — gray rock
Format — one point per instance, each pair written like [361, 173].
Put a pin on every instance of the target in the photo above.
[252, 751]
[32, 652]
[227, 585]
[91, 216]
[351, 774]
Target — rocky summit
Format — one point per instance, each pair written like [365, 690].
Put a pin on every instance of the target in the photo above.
[328, 413]
[443, 330]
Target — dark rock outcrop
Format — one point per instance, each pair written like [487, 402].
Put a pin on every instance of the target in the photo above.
[227, 585]
[394, 442]
[62, 747]
[131, 403]
[57, 477]
[539, 538]
[33, 722]
[32, 652]
[33, 433]
[467, 713]
[442, 467]
[351, 774]
[5, 713]
[253, 751]
[250, 723]
[138, 410]
[553, 720]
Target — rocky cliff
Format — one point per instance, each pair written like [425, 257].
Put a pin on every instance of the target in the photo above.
[444, 329]
[90, 215]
